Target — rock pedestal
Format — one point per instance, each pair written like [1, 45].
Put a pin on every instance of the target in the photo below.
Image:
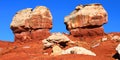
[87, 20]
[30, 24]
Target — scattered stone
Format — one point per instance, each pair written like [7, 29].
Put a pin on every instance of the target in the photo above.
[45, 53]
[78, 50]
[96, 45]
[104, 39]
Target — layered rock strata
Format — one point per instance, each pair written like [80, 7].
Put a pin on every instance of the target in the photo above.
[30, 24]
[87, 20]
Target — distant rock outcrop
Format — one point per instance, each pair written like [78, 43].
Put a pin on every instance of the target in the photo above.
[87, 20]
[30, 24]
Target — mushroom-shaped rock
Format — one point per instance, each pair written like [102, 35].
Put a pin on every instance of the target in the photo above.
[32, 22]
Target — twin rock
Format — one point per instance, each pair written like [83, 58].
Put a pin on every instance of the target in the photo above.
[34, 24]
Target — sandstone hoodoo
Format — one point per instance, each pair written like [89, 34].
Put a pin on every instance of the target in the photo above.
[30, 24]
[87, 20]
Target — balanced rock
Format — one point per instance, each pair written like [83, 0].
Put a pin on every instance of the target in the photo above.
[36, 23]
[87, 20]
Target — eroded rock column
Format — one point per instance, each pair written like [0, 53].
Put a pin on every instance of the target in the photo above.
[32, 24]
[87, 20]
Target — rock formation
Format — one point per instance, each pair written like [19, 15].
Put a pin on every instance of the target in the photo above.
[87, 20]
[86, 41]
[30, 24]
[56, 39]
[56, 50]
[78, 50]
[73, 50]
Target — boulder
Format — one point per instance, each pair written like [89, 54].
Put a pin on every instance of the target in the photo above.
[56, 50]
[78, 50]
[86, 15]
[33, 23]
[87, 20]
[40, 17]
[55, 38]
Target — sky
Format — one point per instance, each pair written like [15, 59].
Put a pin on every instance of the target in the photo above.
[59, 9]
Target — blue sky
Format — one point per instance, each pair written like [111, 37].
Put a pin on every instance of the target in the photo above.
[59, 9]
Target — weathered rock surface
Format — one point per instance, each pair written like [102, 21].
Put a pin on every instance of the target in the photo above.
[30, 24]
[116, 37]
[87, 32]
[55, 38]
[40, 34]
[86, 15]
[34, 25]
[73, 50]
[78, 50]
[87, 20]
[56, 50]
[40, 17]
